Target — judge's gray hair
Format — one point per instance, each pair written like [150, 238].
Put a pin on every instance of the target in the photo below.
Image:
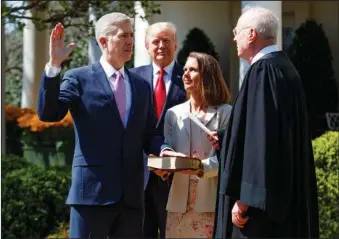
[161, 26]
[261, 19]
[108, 23]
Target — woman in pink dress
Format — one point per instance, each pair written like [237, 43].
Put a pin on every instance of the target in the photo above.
[192, 197]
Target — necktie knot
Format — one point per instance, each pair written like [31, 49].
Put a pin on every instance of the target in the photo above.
[161, 72]
[118, 75]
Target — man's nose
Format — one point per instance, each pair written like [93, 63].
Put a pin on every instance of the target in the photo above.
[161, 44]
[130, 40]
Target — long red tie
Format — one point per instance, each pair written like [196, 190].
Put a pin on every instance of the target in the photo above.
[160, 93]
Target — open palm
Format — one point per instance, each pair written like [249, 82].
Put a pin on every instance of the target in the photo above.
[57, 51]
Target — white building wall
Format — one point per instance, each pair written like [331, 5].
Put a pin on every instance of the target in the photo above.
[141, 56]
[213, 17]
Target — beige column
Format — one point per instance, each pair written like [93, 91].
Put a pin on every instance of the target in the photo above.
[276, 8]
[35, 56]
[141, 56]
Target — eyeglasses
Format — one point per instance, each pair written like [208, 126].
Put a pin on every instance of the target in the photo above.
[235, 32]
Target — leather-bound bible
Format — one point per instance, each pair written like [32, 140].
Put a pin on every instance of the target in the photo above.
[173, 163]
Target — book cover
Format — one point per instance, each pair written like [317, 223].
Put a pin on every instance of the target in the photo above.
[174, 163]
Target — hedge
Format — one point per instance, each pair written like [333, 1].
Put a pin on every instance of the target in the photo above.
[326, 151]
[33, 199]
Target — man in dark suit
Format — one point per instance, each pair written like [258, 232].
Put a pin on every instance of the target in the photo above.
[114, 122]
[164, 76]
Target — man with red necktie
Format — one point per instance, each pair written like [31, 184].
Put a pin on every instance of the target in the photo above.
[165, 78]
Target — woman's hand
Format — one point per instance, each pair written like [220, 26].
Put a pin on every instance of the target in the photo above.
[171, 153]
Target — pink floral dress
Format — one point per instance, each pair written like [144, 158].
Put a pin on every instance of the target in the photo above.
[191, 224]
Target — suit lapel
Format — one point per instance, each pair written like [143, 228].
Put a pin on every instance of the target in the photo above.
[134, 97]
[148, 75]
[211, 111]
[184, 118]
[173, 90]
[100, 76]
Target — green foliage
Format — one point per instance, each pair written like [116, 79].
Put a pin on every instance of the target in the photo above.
[326, 152]
[13, 134]
[33, 199]
[69, 13]
[74, 15]
[196, 40]
[311, 55]
[13, 67]
[62, 231]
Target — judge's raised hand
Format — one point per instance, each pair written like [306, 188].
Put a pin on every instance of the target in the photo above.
[57, 52]
[214, 140]
[238, 211]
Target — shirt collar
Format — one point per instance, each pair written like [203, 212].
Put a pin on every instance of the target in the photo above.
[109, 69]
[264, 51]
[168, 69]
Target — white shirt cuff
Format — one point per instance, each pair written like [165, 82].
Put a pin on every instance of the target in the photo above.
[52, 71]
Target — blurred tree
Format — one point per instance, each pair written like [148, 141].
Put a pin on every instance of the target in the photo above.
[13, 67]
[196, 40]
[69, 12]
[311, 55]
[74, 15]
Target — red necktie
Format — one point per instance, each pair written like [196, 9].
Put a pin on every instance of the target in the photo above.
[160, 93]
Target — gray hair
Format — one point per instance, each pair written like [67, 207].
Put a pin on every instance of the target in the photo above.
[261, 19]
[108, 23]
[160, 26]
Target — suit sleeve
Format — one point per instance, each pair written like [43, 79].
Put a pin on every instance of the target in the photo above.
[153, 138]
[55, 99]
[168, 132]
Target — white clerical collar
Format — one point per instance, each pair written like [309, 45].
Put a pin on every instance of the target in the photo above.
[168, 69]
[264, 51]
[109, 69]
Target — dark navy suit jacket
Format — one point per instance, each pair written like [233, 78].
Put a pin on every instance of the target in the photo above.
[108, 158]
[176, 95]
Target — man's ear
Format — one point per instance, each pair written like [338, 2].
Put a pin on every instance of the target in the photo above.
[253, 35]
[146, 44]
[103, 42]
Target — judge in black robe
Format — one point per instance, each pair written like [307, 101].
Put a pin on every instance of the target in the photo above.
[266, 157]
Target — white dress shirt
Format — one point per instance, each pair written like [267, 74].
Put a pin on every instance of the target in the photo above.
[167, 77]
[264, 51]
[52, 71]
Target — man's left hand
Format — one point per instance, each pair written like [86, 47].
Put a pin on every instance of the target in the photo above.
[239, 209]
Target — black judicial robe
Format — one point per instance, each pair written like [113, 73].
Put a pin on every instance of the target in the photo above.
[266, 157]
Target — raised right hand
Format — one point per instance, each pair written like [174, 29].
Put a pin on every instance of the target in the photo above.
[57, 52]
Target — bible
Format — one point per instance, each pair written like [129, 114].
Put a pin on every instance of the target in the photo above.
[173, 163]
